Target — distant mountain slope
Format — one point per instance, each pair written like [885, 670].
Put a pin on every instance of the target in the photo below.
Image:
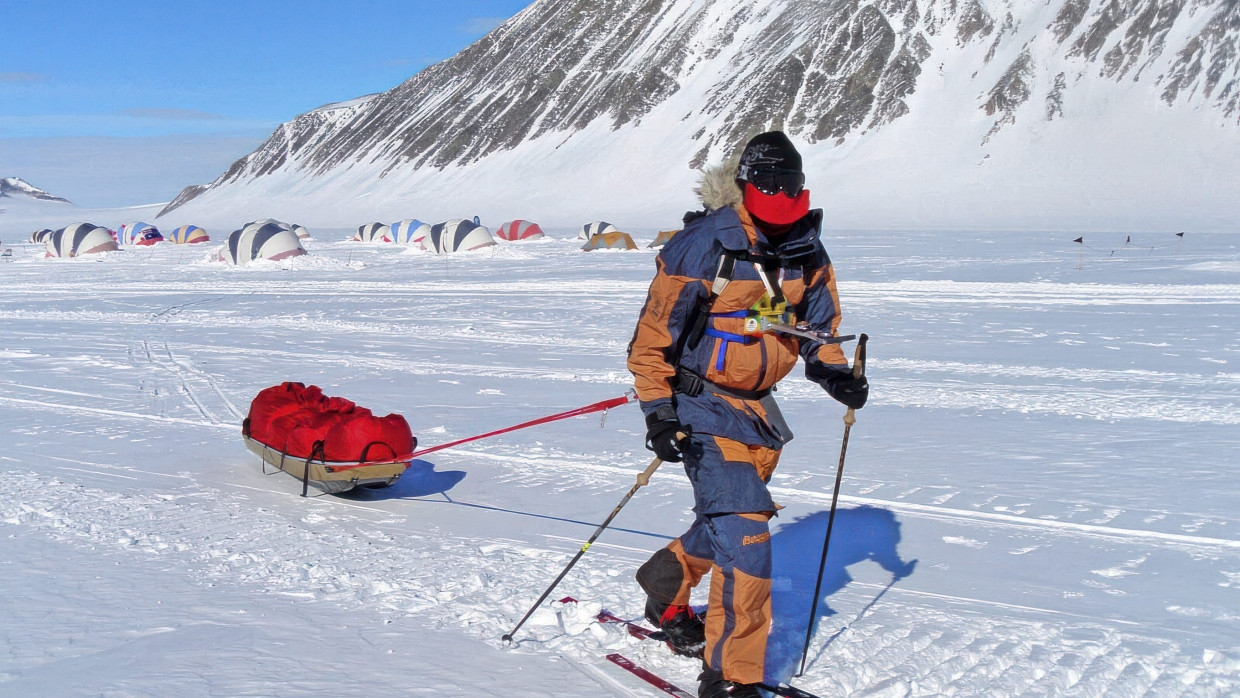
[16, 187]
[1018, 113]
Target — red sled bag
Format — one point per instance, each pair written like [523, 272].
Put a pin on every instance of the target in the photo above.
[302, 422]
[365, 437]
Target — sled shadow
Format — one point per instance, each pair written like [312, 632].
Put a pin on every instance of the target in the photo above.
[859, 534]
[420, 480]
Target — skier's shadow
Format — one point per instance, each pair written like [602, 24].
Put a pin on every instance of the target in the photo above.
[860, 533]
[420, 480]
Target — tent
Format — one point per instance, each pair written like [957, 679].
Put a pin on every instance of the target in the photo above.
[519, 230]
[373, 232]
[589, 230]
[456, 236]
[662, 238]
[40, 235]
[265, 241]
[610, 241]
[79, 239]
[295, 227]
[409, 231]
[189, 234]
[140, 234]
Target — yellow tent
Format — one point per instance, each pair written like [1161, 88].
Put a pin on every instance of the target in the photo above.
[610, 241]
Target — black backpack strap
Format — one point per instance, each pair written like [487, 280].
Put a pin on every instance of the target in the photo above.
[696, 327]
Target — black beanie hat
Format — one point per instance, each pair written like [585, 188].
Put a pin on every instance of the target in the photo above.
[770, 149]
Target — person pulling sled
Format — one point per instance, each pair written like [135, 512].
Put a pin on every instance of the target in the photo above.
[738, 295]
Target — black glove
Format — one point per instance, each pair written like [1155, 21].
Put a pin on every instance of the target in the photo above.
[851, 392]
[662, 437]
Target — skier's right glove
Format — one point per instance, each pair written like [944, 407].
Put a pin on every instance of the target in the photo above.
[849, 391]
[666, 436]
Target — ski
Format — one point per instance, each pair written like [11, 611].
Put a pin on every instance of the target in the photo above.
[786, 691]
[648, 676]
[643, 633]
[638, 631]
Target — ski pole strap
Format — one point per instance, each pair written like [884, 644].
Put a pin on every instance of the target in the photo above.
[588, 409]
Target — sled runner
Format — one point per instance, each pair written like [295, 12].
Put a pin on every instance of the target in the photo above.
[330, 477]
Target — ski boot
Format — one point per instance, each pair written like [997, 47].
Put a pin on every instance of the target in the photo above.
[711, 684]
[684, 631]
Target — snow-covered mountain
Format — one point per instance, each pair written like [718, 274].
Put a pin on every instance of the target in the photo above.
[18, 188]
[965, 113]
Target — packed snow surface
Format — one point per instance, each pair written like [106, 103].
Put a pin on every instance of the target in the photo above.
[1040, 498]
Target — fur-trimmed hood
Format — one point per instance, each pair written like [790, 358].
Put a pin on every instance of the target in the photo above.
[717, 188]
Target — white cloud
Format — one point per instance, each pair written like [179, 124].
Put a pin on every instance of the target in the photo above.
[22, 77]
[171, 114]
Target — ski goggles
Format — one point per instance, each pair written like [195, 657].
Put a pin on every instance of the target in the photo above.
[772, 180]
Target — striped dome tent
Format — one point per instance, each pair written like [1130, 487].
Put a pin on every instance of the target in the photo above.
[614, 240]
[519, 230]
[301, 231]
[189, 234]
[272, 241]
[589, 230]
[40, 235]
[456, 236]
[662, 238]
[264, 221]
[80, 239]
[372, 232]
[409, 231]
[140, 234]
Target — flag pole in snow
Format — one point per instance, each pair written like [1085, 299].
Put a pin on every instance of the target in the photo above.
[850, 418]
[642, 478]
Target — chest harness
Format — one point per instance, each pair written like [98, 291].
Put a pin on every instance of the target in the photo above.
[772, 307]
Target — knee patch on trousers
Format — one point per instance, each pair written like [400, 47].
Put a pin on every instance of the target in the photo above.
[661, 576]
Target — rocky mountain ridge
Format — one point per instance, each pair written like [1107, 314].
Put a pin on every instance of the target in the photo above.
[834, 73]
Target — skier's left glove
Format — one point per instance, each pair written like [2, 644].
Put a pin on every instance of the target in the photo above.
[851, 392]
[666, 436]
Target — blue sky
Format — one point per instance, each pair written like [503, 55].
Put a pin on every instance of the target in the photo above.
[197, 83]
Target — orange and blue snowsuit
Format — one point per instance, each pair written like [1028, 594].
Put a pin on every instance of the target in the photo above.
[693, 359]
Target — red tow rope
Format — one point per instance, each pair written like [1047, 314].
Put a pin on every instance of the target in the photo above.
[596, 407]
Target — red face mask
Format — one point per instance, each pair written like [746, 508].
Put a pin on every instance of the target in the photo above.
[777, 208]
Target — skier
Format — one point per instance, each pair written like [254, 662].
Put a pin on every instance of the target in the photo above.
[705, 358]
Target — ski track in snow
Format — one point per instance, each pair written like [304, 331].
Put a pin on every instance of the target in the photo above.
[1026, 436]
[353, 557]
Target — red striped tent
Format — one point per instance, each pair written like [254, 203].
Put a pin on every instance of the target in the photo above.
[514, 231]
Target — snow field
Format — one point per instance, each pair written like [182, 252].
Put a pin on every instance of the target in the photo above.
[1050, 444]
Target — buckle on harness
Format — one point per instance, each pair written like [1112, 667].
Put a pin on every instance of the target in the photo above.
[689, 383]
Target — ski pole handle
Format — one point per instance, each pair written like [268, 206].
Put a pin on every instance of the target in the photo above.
[858, 369]
[643, 478]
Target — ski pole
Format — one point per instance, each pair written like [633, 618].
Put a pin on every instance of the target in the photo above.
[642, 479]
[850, 418]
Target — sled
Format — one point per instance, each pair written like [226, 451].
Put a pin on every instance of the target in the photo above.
[330, 477]
[328, 442]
